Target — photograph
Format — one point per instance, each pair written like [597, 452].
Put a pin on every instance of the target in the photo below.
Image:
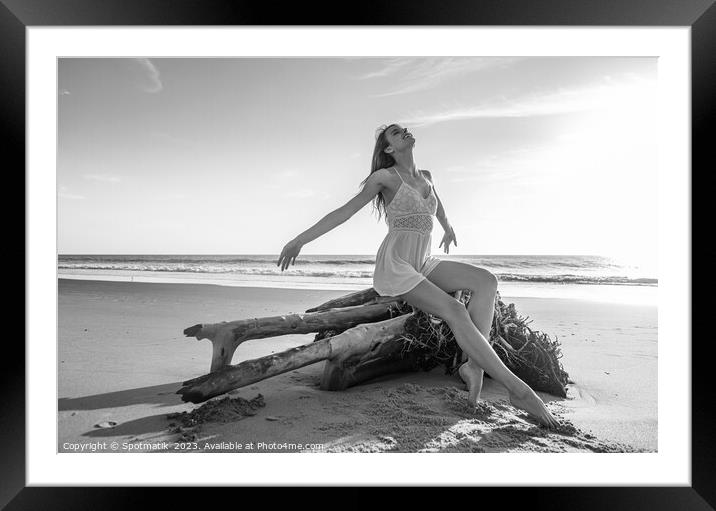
[444, 248]
[409, 254]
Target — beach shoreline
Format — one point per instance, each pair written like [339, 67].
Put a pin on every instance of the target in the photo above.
[122, 356]
[608, 293]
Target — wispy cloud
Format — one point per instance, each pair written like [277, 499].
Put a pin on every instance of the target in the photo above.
[390, 67]
[155, 82]
[103, 178]
[552, 161]
[568, 157]
[629, 94]
[64, 193]
[496, 165]
[412, 74]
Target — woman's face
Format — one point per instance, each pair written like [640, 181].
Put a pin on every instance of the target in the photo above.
[399, 138]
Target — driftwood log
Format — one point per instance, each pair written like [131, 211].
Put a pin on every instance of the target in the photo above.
[356, 341]
[363, 335]
[363, 297]
[397, 355]
[227, 336]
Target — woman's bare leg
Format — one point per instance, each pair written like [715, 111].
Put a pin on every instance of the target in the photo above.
[429, 298]
[453, 275]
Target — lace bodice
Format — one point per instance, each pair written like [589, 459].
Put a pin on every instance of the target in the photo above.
[409, 210]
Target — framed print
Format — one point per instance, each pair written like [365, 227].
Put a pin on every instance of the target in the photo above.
[209, 303]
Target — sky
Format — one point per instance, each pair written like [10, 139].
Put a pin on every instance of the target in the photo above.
[533, 155]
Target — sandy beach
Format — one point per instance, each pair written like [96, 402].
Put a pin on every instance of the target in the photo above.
[122, 356]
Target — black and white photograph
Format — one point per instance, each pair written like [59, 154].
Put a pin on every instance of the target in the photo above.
[403, 244]
[404, 254]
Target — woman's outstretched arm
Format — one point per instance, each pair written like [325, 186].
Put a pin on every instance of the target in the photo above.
[373, 185]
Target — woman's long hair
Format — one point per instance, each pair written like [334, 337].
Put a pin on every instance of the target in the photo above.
[380, 160]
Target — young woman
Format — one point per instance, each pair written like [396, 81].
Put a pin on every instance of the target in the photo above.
[405, 268]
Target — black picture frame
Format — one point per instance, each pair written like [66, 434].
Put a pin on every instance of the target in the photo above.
[699, 15]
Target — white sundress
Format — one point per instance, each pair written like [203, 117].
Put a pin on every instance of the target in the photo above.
[403, 259]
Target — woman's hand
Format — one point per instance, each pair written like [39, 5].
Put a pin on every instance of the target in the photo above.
[289, 253]
[448, 237]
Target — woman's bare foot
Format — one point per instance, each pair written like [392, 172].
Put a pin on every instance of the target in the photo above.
[472, 376]
[532, 404]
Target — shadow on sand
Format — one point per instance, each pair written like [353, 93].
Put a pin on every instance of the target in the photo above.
[141, 426]
[162, 395]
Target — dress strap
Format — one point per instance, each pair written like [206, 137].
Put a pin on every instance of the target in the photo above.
[396, 171]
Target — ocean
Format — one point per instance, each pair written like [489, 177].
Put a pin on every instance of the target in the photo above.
[527, 275]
